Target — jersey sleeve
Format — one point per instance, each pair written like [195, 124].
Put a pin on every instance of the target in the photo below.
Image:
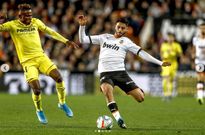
[194, 41]
[42, 27]
[5, 27]
[133, 47]
[95, 39]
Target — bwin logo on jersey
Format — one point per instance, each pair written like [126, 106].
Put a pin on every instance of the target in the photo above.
[114, 47]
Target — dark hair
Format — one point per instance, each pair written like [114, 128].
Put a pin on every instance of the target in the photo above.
[123, 20]
[24, 6]
[171, 33]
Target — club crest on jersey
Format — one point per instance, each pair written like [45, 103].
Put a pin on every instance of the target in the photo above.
[114, 47]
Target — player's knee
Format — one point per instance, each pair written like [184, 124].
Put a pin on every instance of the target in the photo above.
[105, 89]
[140, 97]
[59, 79]
[37, 91]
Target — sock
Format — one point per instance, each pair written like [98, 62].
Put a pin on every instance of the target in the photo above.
[37, 102]
[164, 86]
[167, 86]
[114, 110]
[60, 87]
[200, 87]
[170, 87]
[200, 94]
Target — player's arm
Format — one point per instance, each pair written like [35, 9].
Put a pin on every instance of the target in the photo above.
[55, 34]
[83, 38]
[145, 56]
[193, 49]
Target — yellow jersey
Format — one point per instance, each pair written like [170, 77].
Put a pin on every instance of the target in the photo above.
[26, 37]
[170, 52]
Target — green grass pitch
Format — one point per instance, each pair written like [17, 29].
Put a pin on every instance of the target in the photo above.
[181, 116]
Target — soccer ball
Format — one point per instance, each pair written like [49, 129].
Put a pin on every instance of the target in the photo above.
[104, 122]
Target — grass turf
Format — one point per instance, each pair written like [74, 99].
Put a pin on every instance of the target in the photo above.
[181, 116]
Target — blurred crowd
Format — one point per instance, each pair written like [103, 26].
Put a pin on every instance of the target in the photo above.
[61, 15]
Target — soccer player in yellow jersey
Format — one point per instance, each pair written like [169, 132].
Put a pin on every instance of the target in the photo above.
[24, 32]
[170, 51]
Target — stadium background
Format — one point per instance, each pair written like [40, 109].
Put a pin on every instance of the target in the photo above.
[149, 21]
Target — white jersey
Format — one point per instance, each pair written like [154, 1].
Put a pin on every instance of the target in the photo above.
[113, 50]
[200, 50]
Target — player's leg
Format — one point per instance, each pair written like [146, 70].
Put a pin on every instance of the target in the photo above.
[60, 87]
[107, 90]
[31, 73]
[166, 82]
[36, 96]
[172, 76]
[200, 87]
[137, 94]
[49, 68]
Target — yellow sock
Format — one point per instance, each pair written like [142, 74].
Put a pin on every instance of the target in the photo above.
[170, 87]
[37, 101]
[60, 87]
[164, 86]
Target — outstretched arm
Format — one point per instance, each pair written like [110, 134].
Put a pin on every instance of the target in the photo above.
[83, 38]
[56, 35]
[144, 55]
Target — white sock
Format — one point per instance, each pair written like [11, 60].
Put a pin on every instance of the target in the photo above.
[116, 115]
[200, 94]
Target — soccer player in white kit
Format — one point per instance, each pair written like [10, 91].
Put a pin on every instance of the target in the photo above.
[199, 48]
[111, 66]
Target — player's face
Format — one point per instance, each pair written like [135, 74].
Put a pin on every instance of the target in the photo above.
[25, 16]
[120, 29]
[170, 38]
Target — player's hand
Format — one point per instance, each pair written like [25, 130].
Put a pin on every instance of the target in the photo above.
[82, 20]
[165, 64]
[3, 17]
[72, 44]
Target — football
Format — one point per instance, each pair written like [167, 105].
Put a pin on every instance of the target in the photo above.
[104, 122]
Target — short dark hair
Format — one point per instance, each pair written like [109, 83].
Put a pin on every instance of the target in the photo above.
[171, 34]
[123, 20]
[24, 6]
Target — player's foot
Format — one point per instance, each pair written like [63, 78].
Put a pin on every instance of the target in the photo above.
[121, 123]
[41, 117]
[66, 109]
[200, 101]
